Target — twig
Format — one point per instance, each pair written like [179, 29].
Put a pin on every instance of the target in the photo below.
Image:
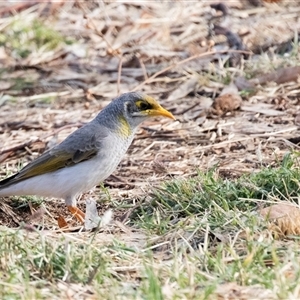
[268, 134]
[149, 79]
[8, 211]
[110, 50]
[143, 68]
[15, 8]
[119, 74]
[51, 95]
[80, 4]
[187, 109]
[17, 147]
[221, 144]
[26, 144]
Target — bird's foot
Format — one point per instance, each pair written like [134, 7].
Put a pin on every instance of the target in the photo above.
[76, 212]
[62, 223]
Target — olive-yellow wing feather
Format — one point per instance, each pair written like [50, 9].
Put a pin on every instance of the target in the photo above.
[81, 145]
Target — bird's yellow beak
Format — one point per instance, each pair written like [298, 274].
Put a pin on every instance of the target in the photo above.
[157, 109]
[160, 111]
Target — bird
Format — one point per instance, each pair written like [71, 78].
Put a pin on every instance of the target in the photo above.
[87, 156]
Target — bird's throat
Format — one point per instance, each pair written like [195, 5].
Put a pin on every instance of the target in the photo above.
[124, 129]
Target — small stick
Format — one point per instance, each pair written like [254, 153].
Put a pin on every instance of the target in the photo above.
[143, 68]
[26, 144]
[149, 79]
[119, 74]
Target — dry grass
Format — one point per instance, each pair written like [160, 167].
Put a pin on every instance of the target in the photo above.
[62, 62]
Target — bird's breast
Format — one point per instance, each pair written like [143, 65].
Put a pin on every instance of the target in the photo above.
[109, 157]
[115, 150]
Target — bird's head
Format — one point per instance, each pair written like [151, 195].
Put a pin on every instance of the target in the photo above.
[139, 107]
[131, 109]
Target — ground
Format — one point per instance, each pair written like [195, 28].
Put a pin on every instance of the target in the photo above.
[229, 73]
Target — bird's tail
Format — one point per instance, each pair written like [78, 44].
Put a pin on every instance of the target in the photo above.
[5, 183]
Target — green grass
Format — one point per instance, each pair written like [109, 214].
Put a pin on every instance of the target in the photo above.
[189, 238]
[24, 36]
[27, 37]
[216, 200]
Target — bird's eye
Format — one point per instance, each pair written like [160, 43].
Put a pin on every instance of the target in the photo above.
[142, 105]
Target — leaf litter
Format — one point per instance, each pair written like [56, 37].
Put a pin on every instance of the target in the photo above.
[170, 52]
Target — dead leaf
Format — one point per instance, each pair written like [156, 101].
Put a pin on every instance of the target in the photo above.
[284, 218]
[8, 211]
[184, 89]
[92, 219]
[279, 76]
[243, 84]
[297, 120]
[228, 101]
[233, 291]
[5, 85]
[263, 108]
[272, 1]
[255, 2]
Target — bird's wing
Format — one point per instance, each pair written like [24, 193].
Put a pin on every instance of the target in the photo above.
[81, 145]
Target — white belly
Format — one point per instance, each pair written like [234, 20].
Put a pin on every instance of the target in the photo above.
[67, 183]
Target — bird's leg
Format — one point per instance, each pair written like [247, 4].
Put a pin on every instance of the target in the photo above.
[77, 213]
